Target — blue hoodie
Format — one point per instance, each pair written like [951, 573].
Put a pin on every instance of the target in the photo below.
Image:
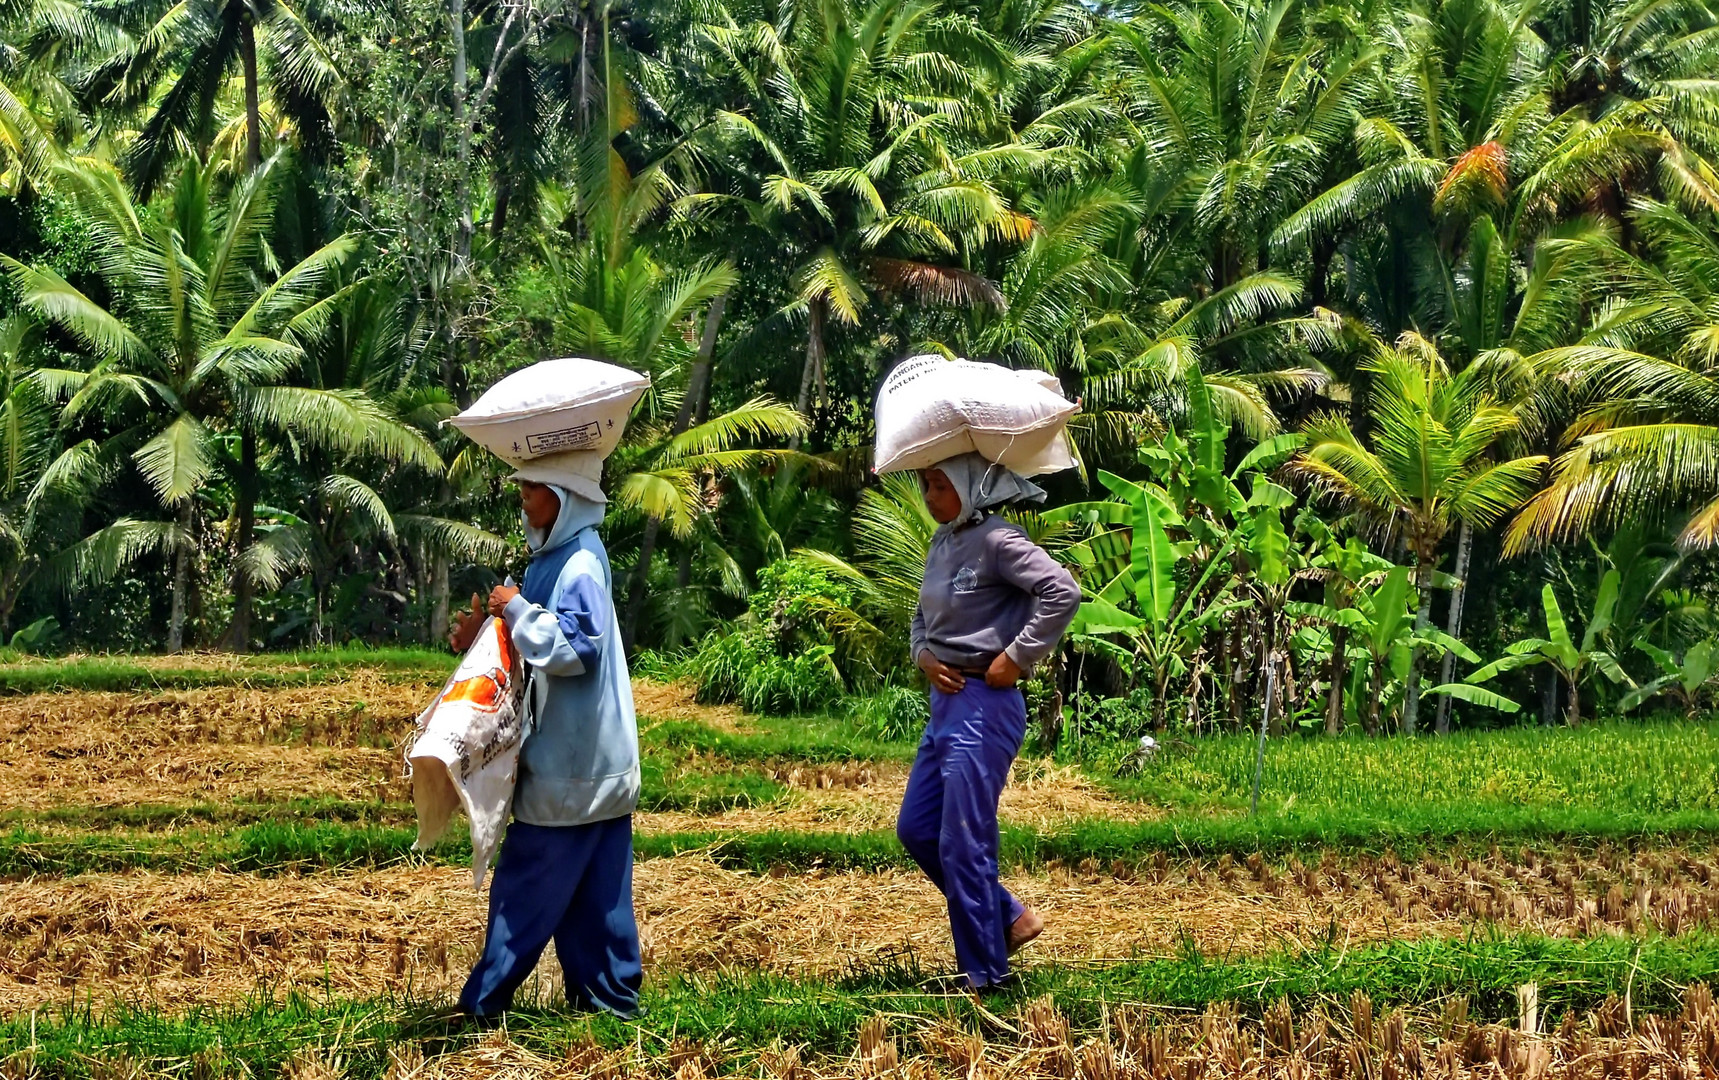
[580, 759]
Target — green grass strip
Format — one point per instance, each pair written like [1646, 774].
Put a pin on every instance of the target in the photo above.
[748, 1012]
[1624, 767]
[279, 846]
[271, 671]
[687, 792]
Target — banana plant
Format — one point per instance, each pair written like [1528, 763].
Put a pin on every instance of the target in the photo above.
[1342, 568]
[1380, 619]
[1230, 547]
[1682, 678]
[1574, 663]
[1170, 620]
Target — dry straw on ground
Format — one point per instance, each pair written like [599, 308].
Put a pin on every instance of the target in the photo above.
[1347, 1040]
[341, 742]
[216, 937]
[337, 741]
[865, 797]
[656, 701]
[227, 743]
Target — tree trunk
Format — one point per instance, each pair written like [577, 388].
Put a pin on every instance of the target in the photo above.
[1412, 693]
[1236, 672]
[1160, 685]
[1195, 681]
[438, 597]
[1319, 282]
[696, 385]
[1337, 672]
[1275, 689]
[813, 373]
[1548, 676]
[1453, 623]
[245, 508]
[181, 580]
[701, 413]
[8, 600]
[1575, 715]
[697, 397]
[463, 130]
[253, 107]
[1375, 695]
[453, 376]
[1050, 711]
[503, 195]
[641, 575]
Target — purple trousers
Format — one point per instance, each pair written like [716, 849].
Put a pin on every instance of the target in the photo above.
[948, 819]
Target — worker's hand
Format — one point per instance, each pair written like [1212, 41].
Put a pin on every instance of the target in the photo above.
[942, 676]
[1003, 672]
[499, 598]
[466, 626]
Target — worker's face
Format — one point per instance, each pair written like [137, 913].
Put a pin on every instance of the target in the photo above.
[941, 498]
[542, 506]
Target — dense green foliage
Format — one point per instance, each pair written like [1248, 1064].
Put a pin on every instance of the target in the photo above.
[1393, 325]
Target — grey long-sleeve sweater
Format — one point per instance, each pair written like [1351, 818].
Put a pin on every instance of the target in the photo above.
[988, 590]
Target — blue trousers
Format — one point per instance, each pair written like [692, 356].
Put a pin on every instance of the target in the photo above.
[572, 884]
[948, 819]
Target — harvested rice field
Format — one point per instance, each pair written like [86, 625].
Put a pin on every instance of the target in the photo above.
[212, 937]
[205, 871]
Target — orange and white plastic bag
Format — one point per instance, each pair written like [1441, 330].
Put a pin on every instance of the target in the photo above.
[466, 749]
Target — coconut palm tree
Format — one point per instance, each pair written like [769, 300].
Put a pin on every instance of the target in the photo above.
[1651, 61]
[611, 299]
[200, 340]
[1241, 103]
[44, 47]
[1461, 169]
[27, 141]
[43, 495]
[178, 64]
[1430, 465]
[842, 154]
[1646, 444]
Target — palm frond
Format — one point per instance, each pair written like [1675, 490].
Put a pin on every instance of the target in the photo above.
[105, 554]
[760, 418]
[176, 462]
[341, 419]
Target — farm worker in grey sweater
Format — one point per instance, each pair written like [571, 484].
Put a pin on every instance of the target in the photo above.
[566, 865]
[993, 605]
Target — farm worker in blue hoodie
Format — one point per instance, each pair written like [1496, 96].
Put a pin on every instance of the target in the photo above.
[566, 866]
[992, 606]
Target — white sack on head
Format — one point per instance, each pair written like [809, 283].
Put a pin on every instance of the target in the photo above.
[931, 409]
[465, 752]
[553, 407]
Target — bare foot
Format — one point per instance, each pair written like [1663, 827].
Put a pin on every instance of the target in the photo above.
[1024, 929]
